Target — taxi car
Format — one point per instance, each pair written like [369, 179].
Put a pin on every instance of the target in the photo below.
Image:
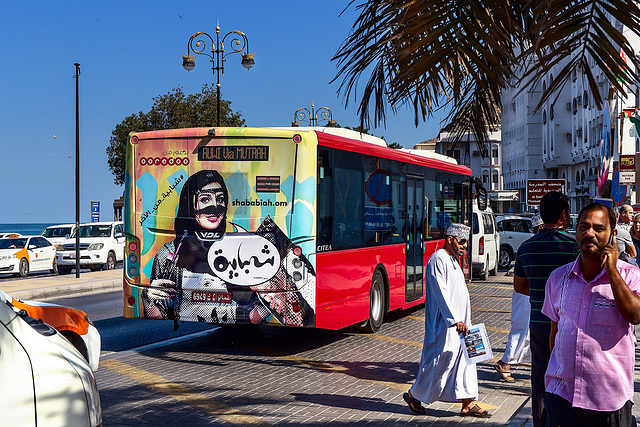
[24, 254]
[5, 235]
[46, 380]
[73, 324]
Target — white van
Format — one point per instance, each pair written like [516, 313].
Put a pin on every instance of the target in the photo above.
[485, 243]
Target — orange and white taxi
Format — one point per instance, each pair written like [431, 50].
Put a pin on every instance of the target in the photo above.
[73, 324]
[20, 255]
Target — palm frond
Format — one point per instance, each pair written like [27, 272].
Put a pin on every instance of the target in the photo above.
[430, 54]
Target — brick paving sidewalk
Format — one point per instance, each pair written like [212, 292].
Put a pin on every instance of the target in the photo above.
[277, 376]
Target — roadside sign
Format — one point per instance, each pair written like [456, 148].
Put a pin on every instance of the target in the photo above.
[95, 211]
[536, 188]
[627, 169]
[618, 191]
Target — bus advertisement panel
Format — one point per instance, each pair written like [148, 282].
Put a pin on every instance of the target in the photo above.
[310, 227]
[212, 228]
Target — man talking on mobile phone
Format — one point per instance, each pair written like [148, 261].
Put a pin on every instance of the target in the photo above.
[593, 304]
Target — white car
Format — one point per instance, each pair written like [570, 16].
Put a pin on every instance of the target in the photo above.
[485, 243]
[58, 233]
[46, 381]
[514, 230]
[24, 254]
[5, 235]
[73, 324]
[101, 247]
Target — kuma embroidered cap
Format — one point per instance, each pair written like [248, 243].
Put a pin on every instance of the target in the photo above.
[460, 231]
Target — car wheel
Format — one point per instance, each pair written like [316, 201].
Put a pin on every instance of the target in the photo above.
[494, 270]
[506, 257]
[111, 262]
[54, 267]
[23, 269]
[484, 275]
[376, 304]
[63, 269]
[96, 267]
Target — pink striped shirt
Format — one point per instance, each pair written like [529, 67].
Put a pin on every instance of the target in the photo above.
[592, 361]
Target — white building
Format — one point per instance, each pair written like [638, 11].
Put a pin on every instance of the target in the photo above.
[484, 160]
[562, 139]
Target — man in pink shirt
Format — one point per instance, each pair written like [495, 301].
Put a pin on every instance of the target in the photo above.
[593, 304]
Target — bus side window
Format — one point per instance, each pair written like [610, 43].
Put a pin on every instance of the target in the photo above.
[348, 215]
[325, 198]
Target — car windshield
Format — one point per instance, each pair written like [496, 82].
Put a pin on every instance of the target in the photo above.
[93, 231]
[56, 232]
[12, 243]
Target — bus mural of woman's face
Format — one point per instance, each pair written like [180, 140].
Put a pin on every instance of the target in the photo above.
[210, 207]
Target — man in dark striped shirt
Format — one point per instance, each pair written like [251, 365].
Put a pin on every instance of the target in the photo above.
[537, 257]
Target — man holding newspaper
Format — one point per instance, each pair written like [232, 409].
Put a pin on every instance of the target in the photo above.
[445, 374]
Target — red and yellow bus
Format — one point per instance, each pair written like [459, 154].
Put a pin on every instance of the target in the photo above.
[310, 227]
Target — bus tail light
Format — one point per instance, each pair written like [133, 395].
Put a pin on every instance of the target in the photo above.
[481, 246]
[132, 259]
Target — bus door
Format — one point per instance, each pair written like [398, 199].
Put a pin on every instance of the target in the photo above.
[414, 238]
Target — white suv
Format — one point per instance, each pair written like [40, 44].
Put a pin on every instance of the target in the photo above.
[101, 247]
[514, 230]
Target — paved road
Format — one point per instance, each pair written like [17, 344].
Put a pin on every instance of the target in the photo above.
[300, 376]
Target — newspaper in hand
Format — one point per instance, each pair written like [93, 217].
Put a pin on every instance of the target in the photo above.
[476, 344]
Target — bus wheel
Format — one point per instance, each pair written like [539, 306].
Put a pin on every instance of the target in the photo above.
[376, 304]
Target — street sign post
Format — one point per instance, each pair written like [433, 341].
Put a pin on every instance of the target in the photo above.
[627, 169]
[536, 188]
[95, 211]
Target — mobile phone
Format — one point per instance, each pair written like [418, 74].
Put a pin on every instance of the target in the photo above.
[610, 242]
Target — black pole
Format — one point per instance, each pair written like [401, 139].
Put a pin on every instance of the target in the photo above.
[219, 64]
[77, 75]
[218, 106]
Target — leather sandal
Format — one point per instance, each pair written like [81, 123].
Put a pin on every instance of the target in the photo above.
[414, 404]
[505, 375]
[476, 412]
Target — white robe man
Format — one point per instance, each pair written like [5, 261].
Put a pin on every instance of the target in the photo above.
[444, 373]
[517, 350]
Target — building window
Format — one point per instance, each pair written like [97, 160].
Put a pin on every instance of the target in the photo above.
[485, 177]
[495, 177]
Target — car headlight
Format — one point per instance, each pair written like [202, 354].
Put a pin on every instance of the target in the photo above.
[59, 247]
[95, 246]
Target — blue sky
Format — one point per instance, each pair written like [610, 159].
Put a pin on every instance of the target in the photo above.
[130, 51]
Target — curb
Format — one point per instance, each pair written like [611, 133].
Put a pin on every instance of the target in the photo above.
[68, 290]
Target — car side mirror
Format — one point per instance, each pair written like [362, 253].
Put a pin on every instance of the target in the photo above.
[32, 247]
[119, 235]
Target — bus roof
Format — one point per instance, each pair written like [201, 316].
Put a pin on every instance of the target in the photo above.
[344, 139]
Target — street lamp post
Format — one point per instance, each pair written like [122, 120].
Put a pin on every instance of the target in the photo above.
[239, 43]
[302, 114]
[77, 77]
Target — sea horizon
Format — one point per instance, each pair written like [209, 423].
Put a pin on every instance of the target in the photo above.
[27, 228]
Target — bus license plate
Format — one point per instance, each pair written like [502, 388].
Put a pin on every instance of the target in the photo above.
[223, 297]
